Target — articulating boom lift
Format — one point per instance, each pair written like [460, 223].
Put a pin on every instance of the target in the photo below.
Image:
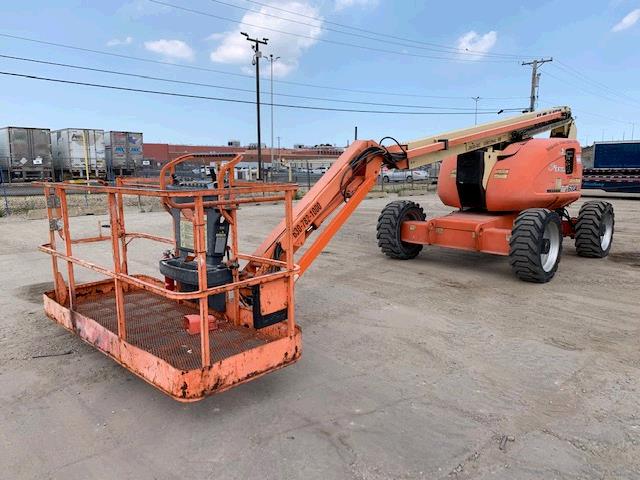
[221, 317]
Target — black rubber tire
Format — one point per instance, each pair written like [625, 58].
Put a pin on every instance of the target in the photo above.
[409, 178]
[592, 222]
[527, 245]
[388, 229]
[385, 179]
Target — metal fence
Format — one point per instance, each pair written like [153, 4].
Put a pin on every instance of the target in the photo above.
[307, 178]
[14, 185]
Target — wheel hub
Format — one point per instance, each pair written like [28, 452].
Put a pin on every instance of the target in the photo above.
[606, 232]
[550, 246]
[546, 246]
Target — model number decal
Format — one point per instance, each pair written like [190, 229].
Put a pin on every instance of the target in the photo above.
[563, 189]
[307, 219]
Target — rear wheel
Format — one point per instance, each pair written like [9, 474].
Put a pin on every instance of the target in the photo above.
[389, 229]
[594, 229]
[409, 179]
[536, 245]
[385, 179]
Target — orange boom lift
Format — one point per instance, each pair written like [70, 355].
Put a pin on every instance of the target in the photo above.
[218, 317]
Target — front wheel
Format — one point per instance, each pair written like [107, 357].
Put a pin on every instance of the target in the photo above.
[594, 229]
[390, 225]
[385, 179]
[536, 245]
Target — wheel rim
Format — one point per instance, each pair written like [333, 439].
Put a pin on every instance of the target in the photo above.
[607, 234]
[551, 241]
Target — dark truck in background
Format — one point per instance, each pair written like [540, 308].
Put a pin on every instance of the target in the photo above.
[615, 168]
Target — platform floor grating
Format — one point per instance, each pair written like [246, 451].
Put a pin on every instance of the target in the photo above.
[155, 324]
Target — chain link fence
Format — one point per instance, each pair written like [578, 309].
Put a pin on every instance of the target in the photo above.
[305, 174]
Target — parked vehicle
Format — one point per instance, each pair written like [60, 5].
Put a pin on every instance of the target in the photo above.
[78, 152]
[124, 152]
[319, 170]
[25, 154]
[394, 175]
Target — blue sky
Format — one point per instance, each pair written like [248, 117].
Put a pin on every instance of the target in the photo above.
[596, 68]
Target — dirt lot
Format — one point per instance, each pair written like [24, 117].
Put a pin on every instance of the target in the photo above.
[411, 369]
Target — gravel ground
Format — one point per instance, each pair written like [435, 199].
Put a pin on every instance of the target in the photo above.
[441, 367]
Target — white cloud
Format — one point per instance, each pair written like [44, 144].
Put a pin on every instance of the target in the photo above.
[477, 45]
[135, 9]
[215, 36]
[628, 21]
[342, 4]
[173, 49]
[114, 42]
[235, 49]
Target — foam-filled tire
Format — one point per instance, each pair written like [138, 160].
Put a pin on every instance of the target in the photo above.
[594, 229]
[389, 229]
[535, 246]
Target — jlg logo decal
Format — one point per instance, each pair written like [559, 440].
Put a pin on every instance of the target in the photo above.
[556, 168]
[307, 219]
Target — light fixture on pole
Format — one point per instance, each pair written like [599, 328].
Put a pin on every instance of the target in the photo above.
[476, 99]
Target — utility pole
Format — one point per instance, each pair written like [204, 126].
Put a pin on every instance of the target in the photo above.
[476, 99]
[355, 135]
[272, 59]
[535, 79]
[256, 61]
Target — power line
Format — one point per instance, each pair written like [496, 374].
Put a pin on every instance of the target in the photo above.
[580, 111]
[376, 38]
[594, 83]
[598, 95]
[229, 100]
[351, 27]
[325, 40]
[237, 89]
[223, 72]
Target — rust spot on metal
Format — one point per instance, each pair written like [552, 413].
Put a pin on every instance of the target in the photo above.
[156, 337]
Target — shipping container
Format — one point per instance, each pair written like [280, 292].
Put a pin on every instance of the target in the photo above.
[25, 153]
[617, 154]
[124, 152]
[78, 152]
[616, 167]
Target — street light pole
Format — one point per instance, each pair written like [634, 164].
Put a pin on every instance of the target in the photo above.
[279, 148]
[272, 59]
[256, 61]
[476, 99]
